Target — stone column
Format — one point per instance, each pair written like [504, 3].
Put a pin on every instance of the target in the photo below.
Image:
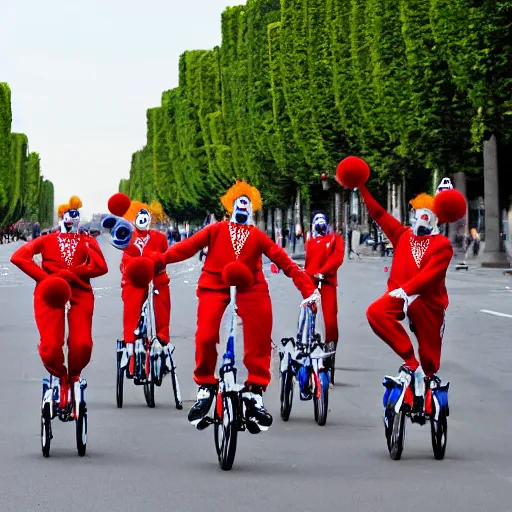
[337, 211]
[493, 256]
[459, 182]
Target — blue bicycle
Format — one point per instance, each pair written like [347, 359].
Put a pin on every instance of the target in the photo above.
[302, 359]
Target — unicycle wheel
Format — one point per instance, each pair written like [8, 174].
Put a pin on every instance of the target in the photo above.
[81, 429]
[176, 390]
[286, 394]
[321, 403]
[395, 432]
[119, 383]
[439, 432]
[226, 425]
[46, 430]
[149, 393]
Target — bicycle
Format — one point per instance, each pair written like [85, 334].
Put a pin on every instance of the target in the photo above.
[305, 363]
[400, 402]
[149, 361]
[75, 410]
[229, 415]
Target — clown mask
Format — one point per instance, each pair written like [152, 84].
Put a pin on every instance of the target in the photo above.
[425, 222]
[319, 225]
[242, 211]
[70, 221]
[143, 220]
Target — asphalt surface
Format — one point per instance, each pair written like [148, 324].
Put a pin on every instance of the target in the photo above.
[142, 459]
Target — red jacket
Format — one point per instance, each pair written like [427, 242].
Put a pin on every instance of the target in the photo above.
[228, 242]
[149, 241]
[324, 255]
[75, 257]
[420, 263]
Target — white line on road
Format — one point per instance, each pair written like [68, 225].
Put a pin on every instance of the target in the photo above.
[495, 313]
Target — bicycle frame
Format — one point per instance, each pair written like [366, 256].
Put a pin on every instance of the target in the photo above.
[228, 371]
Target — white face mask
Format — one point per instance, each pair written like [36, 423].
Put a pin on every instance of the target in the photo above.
[70, 222]
[242, 211]
[424, 222]
[319, 225]
[143, 220]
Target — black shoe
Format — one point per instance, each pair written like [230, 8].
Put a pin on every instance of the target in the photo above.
[257, 417]
[204, 400]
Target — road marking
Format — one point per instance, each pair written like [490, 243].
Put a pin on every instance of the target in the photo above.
[495, 313]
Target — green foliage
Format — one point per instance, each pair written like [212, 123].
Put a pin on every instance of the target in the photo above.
[46, 203]
[33, 182]
[413, 86]
[5, 146]
[20, 172]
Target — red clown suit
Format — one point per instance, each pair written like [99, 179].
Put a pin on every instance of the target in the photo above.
[324, 256]
[416, 285]
[77, 258]
[144, 239]
[228, 242]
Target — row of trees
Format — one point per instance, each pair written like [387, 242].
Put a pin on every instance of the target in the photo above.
[24, 193]
[413, 86]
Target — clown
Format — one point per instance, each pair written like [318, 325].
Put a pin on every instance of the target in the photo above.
[416, 285]
[324, 256]
[75, 257]
[236, 240]
[141, 239]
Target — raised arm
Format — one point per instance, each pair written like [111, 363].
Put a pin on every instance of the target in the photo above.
[335, 259]
[187, 248]
[278, 256]
[432, 274]
[391, 226]
[23, 258]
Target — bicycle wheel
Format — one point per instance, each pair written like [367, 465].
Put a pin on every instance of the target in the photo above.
[149, 392]
[81, 429]
[286, 394]
[119, 383]
[176, 389]
[395, 432]
[439, 432]
[226, 429]
[321, 403]
[46, 430]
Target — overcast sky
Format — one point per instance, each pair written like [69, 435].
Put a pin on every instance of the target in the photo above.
[83, 73]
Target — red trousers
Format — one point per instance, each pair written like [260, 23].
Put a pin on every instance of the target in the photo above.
[330, 311]
[255, 310]
[384, 316]
[133, 299]
[51, 325]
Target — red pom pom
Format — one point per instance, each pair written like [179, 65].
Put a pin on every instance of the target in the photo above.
[237, 274]
[323, 176]
[119, 204]
[352, 172]
[274, 268]
[55, 292]
[449, 206]
[140, 271]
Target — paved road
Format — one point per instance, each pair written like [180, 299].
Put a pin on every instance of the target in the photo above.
[140, 459]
